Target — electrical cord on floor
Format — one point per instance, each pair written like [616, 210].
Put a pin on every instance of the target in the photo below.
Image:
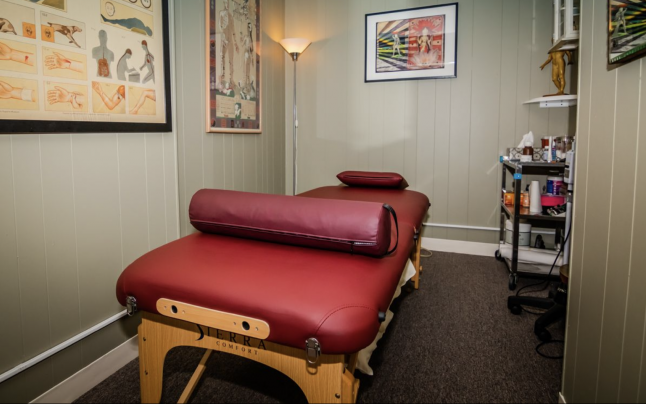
[542, 344]
[426, 253]
[546, 282]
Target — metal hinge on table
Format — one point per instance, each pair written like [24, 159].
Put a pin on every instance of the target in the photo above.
[312, 351]
[131, 305]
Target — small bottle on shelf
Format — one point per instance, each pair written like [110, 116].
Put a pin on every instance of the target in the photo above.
[528, 153]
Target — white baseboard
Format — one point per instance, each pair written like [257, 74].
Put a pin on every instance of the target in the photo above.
[562, 399]
[460, 247]
[93, 374]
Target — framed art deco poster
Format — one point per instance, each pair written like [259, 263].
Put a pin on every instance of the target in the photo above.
[84, 66]
[233, 66]
[412, 44]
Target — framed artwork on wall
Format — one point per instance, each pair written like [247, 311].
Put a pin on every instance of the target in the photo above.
[412, 44]
[233, 66]
[626, 36]
[84, 66]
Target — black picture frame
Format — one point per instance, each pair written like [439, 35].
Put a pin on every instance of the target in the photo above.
[10, 126]
[449, 44]
[635, 11]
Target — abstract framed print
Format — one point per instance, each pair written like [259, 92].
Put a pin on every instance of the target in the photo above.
[233, 66]
[626, 34]
[73, 66]
[412, 44]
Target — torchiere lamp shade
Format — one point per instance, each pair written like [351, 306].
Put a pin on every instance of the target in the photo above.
[295, 45]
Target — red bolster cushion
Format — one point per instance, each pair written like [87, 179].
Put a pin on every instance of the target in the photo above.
[372, 179]
[350, 226]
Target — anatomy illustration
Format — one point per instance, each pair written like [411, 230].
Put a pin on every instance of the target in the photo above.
[58, 61]
[248, 55]
[7, 27]
[103, 56]
[145, 95]
[9, 92]
[110, 101]
[229, 41]
[149, 61]
[60, 95]
[7, 53]
[67, 31]
[123, 70]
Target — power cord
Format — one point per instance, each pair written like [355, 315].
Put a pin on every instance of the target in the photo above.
[426, 253]
[547, 283]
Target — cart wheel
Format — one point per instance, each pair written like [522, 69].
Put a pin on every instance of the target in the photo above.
[498, 256]
[517, 310]
[513, 280]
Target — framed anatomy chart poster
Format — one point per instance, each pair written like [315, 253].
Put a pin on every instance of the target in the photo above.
[417, 43]
[233, 66]
[84, 66]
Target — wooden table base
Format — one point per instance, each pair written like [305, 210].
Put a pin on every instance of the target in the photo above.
[327, 382]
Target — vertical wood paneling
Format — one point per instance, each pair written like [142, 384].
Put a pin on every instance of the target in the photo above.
[580, 200]
[441, 148]
[621, 208]
[133, 197]
[11, 332]
[597, 219]
[32, 261]
[156, 195]
[636, 303]
[638, 263]
[98, 224]
[60, 236]
[459, 141]
[485, 111]
[524, 67]
[171, 186]
[604, 357]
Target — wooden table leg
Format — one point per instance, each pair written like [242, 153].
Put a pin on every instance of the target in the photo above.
[190, 387]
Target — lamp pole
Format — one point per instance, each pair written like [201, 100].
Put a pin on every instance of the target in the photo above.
[295, 47]
[294, 142]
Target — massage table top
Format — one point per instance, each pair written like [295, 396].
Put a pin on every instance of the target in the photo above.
[410, 206]
[300, 292]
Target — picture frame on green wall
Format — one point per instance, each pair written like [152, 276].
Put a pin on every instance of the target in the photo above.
[626, 36]
[233, 66]
[412, 44]
[79, 66]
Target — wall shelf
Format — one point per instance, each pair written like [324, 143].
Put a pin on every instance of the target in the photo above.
[559, 101]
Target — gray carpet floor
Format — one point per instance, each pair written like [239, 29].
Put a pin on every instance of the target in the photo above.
[453, 340]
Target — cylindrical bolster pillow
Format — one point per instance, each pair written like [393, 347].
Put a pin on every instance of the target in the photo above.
[372, 179]
[350, 226]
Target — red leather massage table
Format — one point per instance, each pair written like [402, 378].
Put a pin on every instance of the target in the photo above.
[298, 284]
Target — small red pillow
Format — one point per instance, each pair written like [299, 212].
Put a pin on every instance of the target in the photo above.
[372, 179]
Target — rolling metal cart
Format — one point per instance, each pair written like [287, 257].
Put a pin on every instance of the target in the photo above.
[517, 212]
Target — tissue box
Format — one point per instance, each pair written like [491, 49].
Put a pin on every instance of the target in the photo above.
[515, 153]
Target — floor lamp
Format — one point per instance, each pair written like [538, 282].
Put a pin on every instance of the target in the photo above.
[295, 46]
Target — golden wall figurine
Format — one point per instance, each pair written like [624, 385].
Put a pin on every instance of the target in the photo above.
[558, 69]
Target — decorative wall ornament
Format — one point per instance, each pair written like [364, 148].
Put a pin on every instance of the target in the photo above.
[65, 66]
[233, 66]
[412, 44]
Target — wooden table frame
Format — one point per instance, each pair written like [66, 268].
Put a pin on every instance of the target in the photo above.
[330, 381]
